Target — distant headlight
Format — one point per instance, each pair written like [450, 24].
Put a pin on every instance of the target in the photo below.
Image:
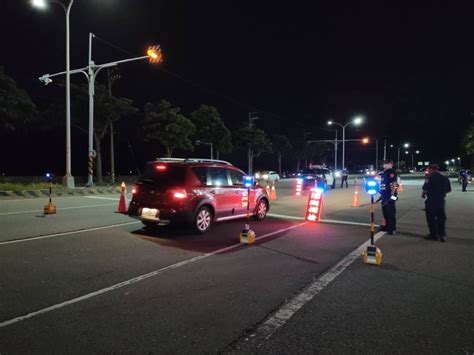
[265, 176]
[337, 174]
[257, 176]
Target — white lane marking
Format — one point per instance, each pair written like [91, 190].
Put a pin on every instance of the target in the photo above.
[285, 216]
[136, 279]
[59, 208]
[65, 233]
[288, 310]
[333, 221]
[103, 198]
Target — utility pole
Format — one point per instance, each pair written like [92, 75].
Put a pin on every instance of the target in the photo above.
[252, 117]
[376, 154]
[110, 80]
[384, 149]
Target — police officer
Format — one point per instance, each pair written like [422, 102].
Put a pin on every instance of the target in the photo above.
[388, 196]
[464, 179]
[434, 190]
[344, 177]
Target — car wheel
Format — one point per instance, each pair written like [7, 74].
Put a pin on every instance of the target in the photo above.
[261, 210]
[202, 220]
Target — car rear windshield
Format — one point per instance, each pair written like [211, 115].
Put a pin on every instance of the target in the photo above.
[163, 174]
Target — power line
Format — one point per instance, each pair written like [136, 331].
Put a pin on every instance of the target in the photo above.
[210, 91]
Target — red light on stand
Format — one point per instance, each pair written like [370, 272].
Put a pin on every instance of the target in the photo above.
[315, 204]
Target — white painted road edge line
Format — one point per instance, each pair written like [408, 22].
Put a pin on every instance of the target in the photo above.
[103, 198]
[59, 208]
[288, 310]
[334, 221]
[66, 233]
[136, 279]
[285, 216]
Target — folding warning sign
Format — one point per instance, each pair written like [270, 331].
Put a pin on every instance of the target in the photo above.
[299, 187]
[315, 204]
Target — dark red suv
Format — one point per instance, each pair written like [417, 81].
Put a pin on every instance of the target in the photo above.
[194, 191]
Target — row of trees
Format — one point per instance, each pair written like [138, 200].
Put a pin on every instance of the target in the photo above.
[162, 124]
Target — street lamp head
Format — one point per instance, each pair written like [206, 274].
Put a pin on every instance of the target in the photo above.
[198, 142]
[330, 123]
[406, 145]
[406, 151]
[417, 152]
[452, 160]
[458, 158]
[40, 4]
[357, 120]
[45, 79]
[391, 145]
[154, 53]
[447, 162]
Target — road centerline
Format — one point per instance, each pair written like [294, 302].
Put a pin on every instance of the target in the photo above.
[13, 241]
[279, 318]
[139, 278]
[59, 208]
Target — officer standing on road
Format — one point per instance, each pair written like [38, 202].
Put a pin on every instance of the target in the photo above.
[344, 177]
[388, 196]
[464, 179]
[435, 189]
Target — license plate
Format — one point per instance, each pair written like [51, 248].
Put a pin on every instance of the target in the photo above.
[151, 213]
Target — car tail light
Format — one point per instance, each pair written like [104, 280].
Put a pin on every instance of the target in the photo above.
[160, 167]
[179, 194]
[134, 189]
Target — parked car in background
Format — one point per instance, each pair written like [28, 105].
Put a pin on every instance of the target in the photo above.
[197, 192]
[268, 176]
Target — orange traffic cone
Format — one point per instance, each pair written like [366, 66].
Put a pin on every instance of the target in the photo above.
[122, 206]
[273, 195]
[355, 200]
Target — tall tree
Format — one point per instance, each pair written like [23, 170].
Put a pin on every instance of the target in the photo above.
[16, 107]
[106, 109]
[255, 139]
[210, 128]
[165, 125]
[469, 140]
[281, 145]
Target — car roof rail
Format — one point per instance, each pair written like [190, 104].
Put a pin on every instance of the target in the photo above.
[194, 160]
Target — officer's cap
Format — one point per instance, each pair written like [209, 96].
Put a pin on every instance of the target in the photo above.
[388, 161]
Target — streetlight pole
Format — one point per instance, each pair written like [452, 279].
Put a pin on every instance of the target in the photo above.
[91, 71]
[68, 179]
[355, 121]
[376, 154]
[384, 149]
[198, 142]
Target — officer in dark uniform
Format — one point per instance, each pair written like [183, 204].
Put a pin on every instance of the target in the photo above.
[464, 179]
[388, 196]
[344, 177]
[434, 190]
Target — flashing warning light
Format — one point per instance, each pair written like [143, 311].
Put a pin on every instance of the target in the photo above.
[248, 181]
[299, 187]
[315, 204]
[160, 167]
[371, 186]
[154, 52]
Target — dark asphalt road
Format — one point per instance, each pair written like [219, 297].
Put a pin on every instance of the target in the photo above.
[188, 293]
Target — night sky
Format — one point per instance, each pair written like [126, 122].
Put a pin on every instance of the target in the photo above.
[407, 69]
